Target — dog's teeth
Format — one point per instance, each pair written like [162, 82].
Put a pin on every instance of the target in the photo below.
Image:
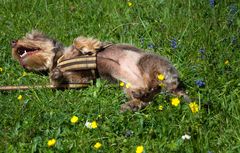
[25, 53]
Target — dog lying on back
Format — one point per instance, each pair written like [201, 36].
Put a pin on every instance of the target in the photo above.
[142, 74]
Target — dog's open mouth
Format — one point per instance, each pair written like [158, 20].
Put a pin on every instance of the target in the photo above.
[23, 52]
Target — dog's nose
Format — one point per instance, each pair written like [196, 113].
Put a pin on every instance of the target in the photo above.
[13, 43]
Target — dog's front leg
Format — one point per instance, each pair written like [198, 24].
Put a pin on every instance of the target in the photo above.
[133, 105]
[56, 76]
[137, 101]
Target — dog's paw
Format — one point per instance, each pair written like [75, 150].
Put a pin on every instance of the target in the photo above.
[133, 105]
[56, 74]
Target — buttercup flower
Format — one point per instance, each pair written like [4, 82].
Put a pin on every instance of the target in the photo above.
[20, 97]
[194, 107]
[94, 124]
[24, 74]
[121, 84]
[130, 3]
[226, 62]
[175, 101]
[91, 125]
[1, 70]
[161, 85]
[128, 85]
[161, 77]
[160, 107]
[97, 145]
[184, 137]
[139, 149]
[51, 142]
[74, 119]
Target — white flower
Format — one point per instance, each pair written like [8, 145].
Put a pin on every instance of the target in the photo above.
[88, 124]
[186, 137]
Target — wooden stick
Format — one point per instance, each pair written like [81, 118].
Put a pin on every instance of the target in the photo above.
[23, 87]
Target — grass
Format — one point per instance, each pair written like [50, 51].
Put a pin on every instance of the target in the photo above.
[26, 125]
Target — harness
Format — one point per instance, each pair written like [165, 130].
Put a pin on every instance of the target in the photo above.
[82, 62]
[78, 63]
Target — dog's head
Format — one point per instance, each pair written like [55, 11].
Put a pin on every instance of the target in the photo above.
[35, 51]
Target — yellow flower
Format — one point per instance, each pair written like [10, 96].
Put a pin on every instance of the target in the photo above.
[139, 149]
[161, 77]
[226, 62]
[175, 101]
[20, 97]
[24, 74]
[130, 3]
[128, 85]
[1, 69]
[194, 107]
[51, 142]
[74, 119]
[161, 85]
[121, 84]
[94, 125]
[160, 107]
[97, 145]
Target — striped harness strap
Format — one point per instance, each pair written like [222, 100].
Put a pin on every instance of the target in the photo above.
[83, 62]
[78, 63]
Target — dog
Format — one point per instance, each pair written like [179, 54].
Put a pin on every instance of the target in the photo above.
[141, 74]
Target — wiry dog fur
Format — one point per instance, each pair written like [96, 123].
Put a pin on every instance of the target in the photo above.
[115, 62]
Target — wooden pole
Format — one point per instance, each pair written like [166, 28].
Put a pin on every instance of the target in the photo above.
[23, 87]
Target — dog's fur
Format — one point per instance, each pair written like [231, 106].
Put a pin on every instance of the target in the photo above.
[115, 62]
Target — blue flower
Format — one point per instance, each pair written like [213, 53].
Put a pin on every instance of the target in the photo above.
[202, 51]
[212, 3]
[128, 133]
[234, 40]
[151, 46]
[200, 83]
[173, 43]
[233, 9]
[230, 21]
[142, 40]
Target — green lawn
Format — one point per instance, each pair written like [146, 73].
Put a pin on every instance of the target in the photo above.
[201, 40]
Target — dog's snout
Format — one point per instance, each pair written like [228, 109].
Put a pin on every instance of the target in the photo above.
[13, 43]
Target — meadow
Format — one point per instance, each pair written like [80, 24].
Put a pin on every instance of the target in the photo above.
[200, 37]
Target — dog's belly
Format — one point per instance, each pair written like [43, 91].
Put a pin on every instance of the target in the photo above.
[129, 70]
[121, 65]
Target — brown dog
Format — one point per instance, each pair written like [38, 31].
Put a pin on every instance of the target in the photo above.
[143, 74]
